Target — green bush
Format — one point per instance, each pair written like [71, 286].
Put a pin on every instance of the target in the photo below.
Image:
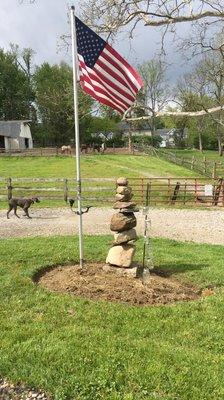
[144, 140]
[116, 141]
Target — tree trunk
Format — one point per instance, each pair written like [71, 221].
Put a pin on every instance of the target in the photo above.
[220, 146]
[200, 142]
[153, 127]
[130, 142]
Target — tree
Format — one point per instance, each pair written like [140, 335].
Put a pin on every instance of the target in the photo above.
[206, 82]
[192, 97]
[155, 89]
[15, 90]
[24, 59]
[212, 70]
[54, 100]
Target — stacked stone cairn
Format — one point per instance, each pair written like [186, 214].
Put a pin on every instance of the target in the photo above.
[122, 224]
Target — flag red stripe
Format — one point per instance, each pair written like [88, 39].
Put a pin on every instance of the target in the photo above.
[129, 67]
[117, 66]
[93, 77]
[102, 100]
[103, 91]
[113, 85]
[116, 77]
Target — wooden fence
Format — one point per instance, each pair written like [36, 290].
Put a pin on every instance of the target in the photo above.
[212, 169]
[56, 151]
[95, 191]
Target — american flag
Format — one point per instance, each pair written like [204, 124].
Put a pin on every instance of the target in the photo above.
[104, 74]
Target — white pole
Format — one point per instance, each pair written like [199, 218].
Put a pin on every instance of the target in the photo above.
[77, 145]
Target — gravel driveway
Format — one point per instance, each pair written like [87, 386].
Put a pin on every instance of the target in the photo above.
[202, 226]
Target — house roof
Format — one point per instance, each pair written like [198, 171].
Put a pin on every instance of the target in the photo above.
[125, 126]
[11, 128]
[164, 132]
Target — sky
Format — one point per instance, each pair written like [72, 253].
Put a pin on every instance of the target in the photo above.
[41, 24]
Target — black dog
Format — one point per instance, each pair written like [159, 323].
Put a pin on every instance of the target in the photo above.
[23, 202]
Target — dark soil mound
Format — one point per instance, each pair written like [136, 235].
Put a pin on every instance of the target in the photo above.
[101, 282]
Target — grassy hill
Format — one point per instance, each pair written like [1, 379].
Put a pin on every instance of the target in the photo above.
[94, 166]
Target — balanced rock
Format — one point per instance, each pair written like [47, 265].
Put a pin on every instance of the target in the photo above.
[124, 204]
[121, 255]
[125, 190]
[123, 197]
[122, 181]
[125, 236]
[121, 222]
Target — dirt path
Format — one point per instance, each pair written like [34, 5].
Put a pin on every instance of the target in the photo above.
[200, 226]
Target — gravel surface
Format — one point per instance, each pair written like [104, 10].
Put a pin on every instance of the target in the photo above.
[9, 391]
[201, 226]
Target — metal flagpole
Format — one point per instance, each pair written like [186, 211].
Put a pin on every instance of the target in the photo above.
[77, 144]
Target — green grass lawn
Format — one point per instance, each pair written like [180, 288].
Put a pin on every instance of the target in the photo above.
[107, 350]
[94, 166]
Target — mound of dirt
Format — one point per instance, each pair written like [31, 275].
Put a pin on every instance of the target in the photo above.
[101, 282]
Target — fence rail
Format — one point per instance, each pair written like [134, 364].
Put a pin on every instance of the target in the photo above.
[100, 191]
[206, 167]
[56, 151]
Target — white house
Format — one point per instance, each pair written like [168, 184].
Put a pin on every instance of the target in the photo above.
[167, 136]
[15, 135]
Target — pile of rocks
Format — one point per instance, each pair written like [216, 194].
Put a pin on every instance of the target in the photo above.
[123, 223]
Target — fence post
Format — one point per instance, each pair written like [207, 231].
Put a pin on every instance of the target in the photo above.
[214, 170]
[169, 195]
[65, 190]
[175, 193]
[205, 165]
[150, 187]
[195, 190]
[192, 162]
[142, 191]
[223, 193]
[185, 191]
[9, 188]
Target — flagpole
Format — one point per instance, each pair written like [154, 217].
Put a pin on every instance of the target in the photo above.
[77, 144]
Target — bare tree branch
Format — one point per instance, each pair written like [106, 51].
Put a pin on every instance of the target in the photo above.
[111, 15]
[175, 113]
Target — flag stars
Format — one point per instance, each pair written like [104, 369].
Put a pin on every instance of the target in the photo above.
[89, 44]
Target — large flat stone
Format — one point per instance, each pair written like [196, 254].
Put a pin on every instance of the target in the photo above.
[122, 222]
[126, 190]
[122, 181]
[125, 236]
[124, 204]
[121, 256]
[123, 197]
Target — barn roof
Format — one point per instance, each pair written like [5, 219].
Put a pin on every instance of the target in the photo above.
[11, 128]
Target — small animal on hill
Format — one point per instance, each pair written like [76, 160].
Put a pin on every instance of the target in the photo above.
[22, 202]
[84, 148]
[66, 150]
[96, 147]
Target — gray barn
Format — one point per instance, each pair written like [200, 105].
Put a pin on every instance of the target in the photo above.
[15, 135]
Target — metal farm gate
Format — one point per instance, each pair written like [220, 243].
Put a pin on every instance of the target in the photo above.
[192, 192]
